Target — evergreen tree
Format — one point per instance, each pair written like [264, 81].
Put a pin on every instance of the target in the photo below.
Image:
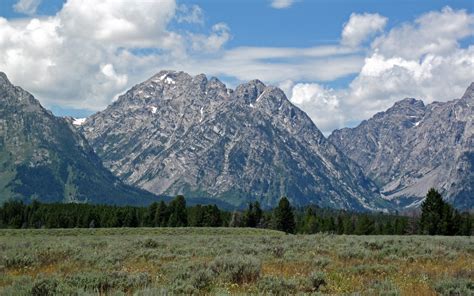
[388, 228]
[196, 216]
[253, 215]
[284, 217]
[349, 225]
[340, 225]
[447, 220]
[466, 224]
[15, 214]
[309, 221]
[212, 216]
[400, 226]
[178, 216]
[161, 215]
[130, 219]
[331, 225]
[364, 226]
[258, 214]
[432, 211]
[379, 228]
[314, 224]
[150, 216]
[249, 216]
[412, 227]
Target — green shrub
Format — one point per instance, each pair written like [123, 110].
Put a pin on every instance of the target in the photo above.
[19, 261]
[276, 286]
[44, 287]
[151, 292]
[278, 251]
[149, 243]
[201, 279]
[374, 245]
[103, 282]
[238, 270]
[455, 287]
[316, 280]
[96, 282]
[195, 280]
[321, 262]
[183, 287]
[353, 253]
[49, 256]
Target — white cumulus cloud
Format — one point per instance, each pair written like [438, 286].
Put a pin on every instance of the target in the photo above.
[210, 43]
[322, 104]
[422, 59]
[119, 23]
[91, 50]
[362, 26]
[436, 32]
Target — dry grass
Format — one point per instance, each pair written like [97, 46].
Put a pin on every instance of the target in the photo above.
[151, 261]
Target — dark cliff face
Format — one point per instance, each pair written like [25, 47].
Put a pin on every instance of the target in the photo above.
[179, 134]
[43, 157]
[412, 147]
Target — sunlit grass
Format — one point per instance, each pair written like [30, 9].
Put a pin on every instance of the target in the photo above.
[234, 261]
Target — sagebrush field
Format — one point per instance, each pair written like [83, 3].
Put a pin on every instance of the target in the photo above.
[155, 261]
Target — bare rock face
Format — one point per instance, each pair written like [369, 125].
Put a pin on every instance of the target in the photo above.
[179, 134]
[412, 147]
[44, 157]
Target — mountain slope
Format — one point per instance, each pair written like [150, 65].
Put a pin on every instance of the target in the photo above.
[44, 157]
[412, 147]
[178, 134]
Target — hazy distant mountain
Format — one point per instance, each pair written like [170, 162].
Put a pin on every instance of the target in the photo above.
[412, 147]
[178, 134]
[44, 157]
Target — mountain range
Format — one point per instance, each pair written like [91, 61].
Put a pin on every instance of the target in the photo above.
[44, 157]
[181, 134]
[412, 147]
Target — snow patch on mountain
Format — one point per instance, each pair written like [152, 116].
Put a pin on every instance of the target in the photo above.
[79, 121]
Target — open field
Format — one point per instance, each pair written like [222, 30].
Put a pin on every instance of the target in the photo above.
[151, 261]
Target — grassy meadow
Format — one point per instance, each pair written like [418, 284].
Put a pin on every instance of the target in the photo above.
[175, 261]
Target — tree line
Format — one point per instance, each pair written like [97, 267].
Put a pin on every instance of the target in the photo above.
[437, 217]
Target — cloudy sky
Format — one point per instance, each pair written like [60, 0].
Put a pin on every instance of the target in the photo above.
[340, 61]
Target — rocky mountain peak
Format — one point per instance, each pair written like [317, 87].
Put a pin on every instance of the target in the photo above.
[469, 93]
[4, 79]
[412, 147]
[250, 92]
[169, 78]
[45, 157]
[11, 95]
[272, 98]
[216, 84]
[407, 104]
[198, 138]
[171, 83]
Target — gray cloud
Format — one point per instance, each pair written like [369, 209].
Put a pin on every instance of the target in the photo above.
[27, 6]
